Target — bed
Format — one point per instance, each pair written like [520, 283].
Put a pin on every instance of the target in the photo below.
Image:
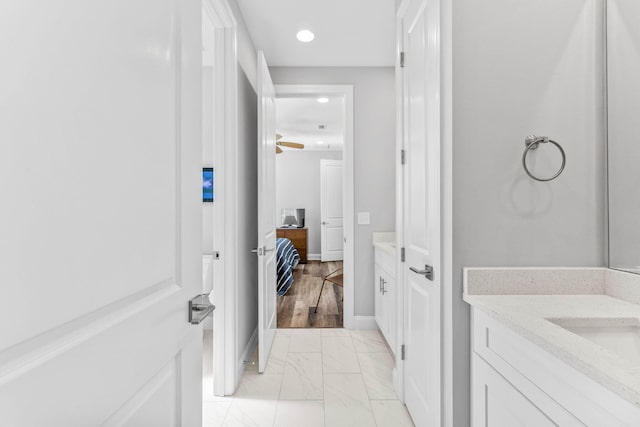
[287, 259]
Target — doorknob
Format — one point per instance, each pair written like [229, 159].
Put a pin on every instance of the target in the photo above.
[324, 223]
[427, 272]
[200, 308]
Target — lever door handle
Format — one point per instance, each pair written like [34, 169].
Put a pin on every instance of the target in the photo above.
[262, 251]
[200, 308]
[427, 272]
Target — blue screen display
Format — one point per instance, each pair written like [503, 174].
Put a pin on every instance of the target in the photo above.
[207, 184]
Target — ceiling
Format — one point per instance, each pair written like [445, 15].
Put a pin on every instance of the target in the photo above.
[348, 32]
[297, 120]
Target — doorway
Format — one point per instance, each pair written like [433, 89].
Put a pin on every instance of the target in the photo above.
[219, 125]
[314, 199]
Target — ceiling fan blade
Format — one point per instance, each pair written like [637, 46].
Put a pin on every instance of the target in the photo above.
[278, 150]
[291, 144]
[278, 137]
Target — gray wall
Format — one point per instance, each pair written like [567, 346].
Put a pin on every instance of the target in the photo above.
[509, 82]
[247, 309]
[298, 186]
[623, 61]
[374, 154]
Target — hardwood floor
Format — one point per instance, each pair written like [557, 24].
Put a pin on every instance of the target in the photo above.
[296, 307]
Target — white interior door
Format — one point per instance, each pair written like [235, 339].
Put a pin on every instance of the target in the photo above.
[100, 224]
[331, 212]
[421, 206]
[267, 309]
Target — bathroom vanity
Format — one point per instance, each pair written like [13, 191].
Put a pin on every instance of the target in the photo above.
[385, 286]
[554, 346]
[561, 346]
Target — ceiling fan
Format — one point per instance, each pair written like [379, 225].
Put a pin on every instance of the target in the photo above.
[286, 144]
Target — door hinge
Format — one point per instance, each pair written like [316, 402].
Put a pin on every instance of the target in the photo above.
[403, 157]
[401, 254]
[402, 352]
[401, 59]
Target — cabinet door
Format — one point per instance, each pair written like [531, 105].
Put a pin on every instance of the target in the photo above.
[379, 300]
[497, 403]
[389, 301]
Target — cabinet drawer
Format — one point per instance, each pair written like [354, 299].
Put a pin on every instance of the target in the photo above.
[299, 243]
[297, 233]
[386, 261]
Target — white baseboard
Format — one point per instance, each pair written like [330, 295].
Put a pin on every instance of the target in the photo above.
[364, 322]
[246, 355]
[318, 257]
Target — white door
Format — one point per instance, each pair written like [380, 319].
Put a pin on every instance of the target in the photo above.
[421, 206]
[332, 217]
[100, 221]
[266, 212]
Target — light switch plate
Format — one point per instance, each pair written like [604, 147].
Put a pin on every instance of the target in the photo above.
[364, 218]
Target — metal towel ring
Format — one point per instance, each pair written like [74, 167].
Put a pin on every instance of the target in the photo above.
[532, 143]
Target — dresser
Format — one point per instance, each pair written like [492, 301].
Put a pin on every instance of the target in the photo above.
[298, 237]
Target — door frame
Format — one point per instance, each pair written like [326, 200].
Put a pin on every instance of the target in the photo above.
[225, 374]
[348, 196]
[446, 214]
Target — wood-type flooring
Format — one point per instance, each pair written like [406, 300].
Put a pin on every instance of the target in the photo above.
[296, 307]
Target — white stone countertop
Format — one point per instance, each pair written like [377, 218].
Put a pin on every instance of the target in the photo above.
[533, 297]
[386, 241]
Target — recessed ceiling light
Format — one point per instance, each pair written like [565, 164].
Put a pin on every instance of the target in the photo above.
[319, 142]
[305, 36]
[323, 100]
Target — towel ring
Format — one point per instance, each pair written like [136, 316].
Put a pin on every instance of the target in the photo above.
[532, 143]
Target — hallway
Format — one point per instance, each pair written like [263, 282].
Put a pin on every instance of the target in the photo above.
[296, 309]
[314, 377]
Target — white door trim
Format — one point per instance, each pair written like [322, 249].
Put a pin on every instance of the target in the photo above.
[225, 375]
[348, 184]
[446, 215]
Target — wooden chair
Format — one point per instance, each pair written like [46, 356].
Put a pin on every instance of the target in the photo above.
[336, 279]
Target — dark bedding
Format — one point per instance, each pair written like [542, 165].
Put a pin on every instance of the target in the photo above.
[287, 259]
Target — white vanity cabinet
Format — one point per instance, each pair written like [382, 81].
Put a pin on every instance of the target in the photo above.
[385, 293]
[516, 382]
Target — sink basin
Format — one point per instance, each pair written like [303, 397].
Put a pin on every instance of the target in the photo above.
[618, 335]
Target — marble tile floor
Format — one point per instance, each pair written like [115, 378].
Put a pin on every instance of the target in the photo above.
[314, 377]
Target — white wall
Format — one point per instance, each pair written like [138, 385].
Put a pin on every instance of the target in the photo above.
[524, 67]
[298, 186]
[247, 286]
[374, 152]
